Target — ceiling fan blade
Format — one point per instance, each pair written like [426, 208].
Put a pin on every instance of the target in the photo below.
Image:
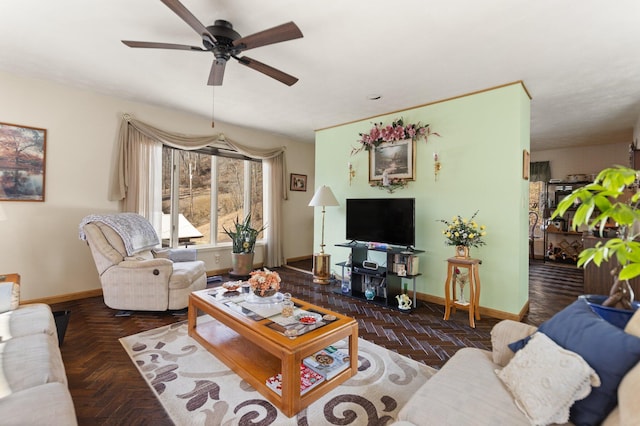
[284, 32]
[184, 14]
[217, 72]
[283, 77]
[152, 45]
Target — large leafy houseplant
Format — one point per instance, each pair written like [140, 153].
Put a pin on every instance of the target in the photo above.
[243, 236]
[613, 196]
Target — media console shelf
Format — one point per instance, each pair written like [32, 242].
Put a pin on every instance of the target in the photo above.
[385, 281]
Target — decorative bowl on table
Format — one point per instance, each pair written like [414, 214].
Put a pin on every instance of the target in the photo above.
[232, 285]
[265, 293]
[308, 318]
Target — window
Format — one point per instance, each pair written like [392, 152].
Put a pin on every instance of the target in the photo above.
[195, 184]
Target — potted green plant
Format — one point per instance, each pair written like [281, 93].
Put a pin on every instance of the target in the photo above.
[612, 196]
[243, 237]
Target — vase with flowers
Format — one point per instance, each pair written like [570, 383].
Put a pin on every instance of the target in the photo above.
[462, 280]
[464, 233]
[264, 283]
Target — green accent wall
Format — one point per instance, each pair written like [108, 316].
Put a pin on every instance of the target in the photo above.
[481, 143]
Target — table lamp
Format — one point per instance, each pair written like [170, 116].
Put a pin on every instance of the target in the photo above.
[321, 261]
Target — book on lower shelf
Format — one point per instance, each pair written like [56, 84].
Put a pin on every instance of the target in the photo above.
[328, 362]
[309, 379]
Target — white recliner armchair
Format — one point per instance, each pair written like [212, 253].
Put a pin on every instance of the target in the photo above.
[134, 276]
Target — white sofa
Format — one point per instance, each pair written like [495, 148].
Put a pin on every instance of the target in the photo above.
[468, 391]
[33, 383]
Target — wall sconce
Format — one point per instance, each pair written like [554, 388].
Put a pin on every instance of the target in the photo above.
[436, 165]
[352, 173]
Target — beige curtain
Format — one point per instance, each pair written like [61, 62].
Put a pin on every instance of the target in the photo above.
[143, 171]
[138, 144]
[273, 171]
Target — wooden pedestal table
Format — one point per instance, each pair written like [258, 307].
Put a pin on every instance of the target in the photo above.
[255, 349]
[474, 288]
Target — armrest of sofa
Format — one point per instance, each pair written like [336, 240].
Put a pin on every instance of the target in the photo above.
[628, 397]
[9, 292]
[140, 271]
[176, 255]
[505, 332]
[146, 264]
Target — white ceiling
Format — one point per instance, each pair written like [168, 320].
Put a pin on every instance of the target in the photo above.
[579, 59]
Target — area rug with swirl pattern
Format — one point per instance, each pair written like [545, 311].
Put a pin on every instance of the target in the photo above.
[195, 388]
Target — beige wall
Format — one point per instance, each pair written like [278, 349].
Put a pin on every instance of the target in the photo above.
[40, 240]
[583, 160]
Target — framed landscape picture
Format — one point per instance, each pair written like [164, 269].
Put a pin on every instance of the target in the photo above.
[396, 158]
[22, 162]
[298, 182]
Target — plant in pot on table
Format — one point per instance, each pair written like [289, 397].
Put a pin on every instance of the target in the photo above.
[612, 196]
[243, 236]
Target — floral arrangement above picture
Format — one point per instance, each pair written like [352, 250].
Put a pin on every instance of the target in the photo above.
[264, 283]
[463, 232]
[394, 132]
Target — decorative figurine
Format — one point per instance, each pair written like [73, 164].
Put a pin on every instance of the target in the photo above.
[385, 178]
[402, 270]
[404, 302]
[369, 293]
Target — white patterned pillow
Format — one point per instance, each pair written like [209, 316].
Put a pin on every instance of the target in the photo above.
[545, 380]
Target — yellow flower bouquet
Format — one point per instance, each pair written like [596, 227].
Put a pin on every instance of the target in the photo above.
[463, 232]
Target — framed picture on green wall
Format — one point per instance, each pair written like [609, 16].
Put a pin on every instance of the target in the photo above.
[393, 160]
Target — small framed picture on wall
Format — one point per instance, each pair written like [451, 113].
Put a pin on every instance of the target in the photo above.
[298, 182]
[525, 164]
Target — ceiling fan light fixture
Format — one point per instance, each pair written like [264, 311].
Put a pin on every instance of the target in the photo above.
[225, 43]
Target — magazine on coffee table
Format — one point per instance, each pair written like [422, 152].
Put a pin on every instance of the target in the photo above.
[309, 379]
[328, 362]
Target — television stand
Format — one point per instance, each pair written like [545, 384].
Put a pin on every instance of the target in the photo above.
[385, 282]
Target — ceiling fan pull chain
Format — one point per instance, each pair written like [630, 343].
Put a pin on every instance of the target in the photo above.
[213, 102]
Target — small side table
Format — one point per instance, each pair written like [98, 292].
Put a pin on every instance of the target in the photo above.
[474, 288]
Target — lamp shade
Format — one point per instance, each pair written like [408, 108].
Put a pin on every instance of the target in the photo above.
[323, 197]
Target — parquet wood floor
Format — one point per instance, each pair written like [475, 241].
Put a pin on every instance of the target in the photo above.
[108, 390]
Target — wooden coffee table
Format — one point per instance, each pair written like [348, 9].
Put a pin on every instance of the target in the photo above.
[255, 347]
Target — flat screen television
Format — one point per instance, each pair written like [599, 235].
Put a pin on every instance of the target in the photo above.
[382, 220]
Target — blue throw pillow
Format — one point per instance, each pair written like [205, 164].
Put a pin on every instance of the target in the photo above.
[608, 350]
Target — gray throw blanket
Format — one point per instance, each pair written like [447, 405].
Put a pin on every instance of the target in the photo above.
[136, 231]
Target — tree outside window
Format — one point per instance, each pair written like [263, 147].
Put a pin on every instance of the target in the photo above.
[230, 187]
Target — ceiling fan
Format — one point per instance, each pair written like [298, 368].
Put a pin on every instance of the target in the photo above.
[225, 43]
